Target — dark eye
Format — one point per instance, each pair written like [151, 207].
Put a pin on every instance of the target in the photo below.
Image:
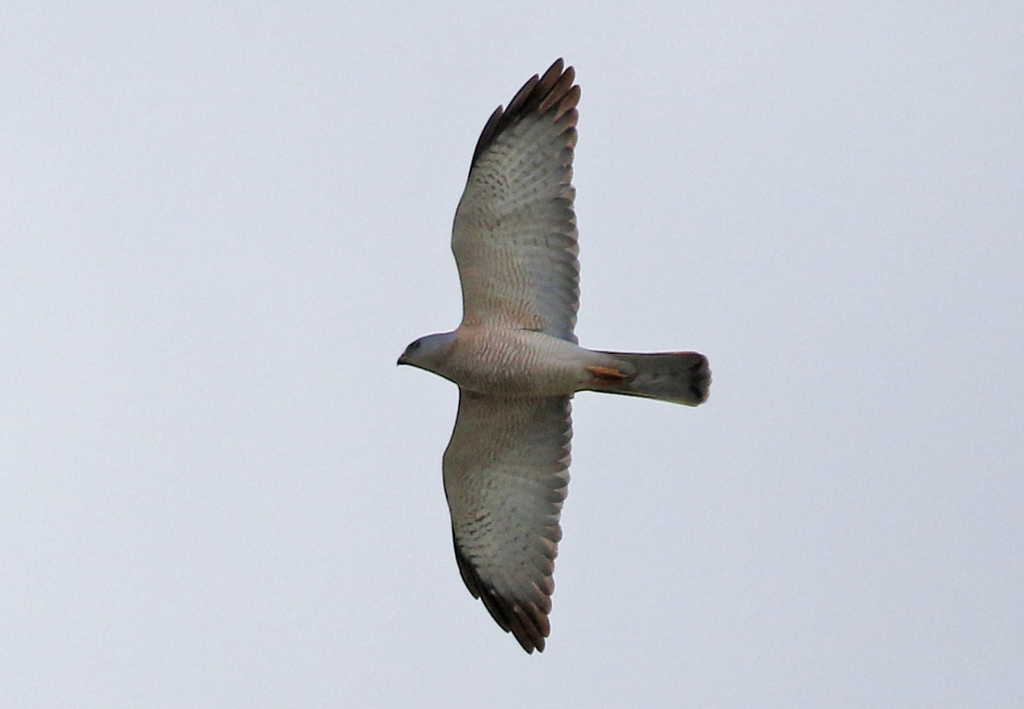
[415, 345]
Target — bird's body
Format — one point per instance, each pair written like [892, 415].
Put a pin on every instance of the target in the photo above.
[516, 359]
[516, 363]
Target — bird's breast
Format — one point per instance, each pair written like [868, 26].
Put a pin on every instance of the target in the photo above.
[510, 362]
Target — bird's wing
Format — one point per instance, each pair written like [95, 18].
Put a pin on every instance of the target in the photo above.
[506, 474]
[514, 236]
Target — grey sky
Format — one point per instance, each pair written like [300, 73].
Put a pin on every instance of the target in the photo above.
[220, 223]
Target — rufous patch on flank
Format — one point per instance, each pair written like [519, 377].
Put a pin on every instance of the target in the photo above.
[606, 373]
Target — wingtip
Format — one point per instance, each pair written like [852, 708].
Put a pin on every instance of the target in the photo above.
[554, 90]
[528, 623]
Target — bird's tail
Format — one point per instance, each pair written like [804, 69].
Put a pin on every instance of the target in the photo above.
[679, 377]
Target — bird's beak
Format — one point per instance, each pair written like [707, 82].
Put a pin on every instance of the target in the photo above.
[401, 360]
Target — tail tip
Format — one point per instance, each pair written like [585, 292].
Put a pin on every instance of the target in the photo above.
[700, 381]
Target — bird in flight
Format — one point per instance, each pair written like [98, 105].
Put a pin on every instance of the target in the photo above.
[517, 361]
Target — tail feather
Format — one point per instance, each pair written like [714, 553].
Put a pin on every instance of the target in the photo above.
[679, 377]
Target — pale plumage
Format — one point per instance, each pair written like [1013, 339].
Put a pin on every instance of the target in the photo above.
[515, 357]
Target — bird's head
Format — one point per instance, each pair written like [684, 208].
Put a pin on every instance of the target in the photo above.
[428, 352]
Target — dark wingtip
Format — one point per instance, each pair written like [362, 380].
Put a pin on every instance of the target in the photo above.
[554, 91]
[529, 625]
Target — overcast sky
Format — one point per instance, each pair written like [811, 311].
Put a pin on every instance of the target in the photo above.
[221, 223]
